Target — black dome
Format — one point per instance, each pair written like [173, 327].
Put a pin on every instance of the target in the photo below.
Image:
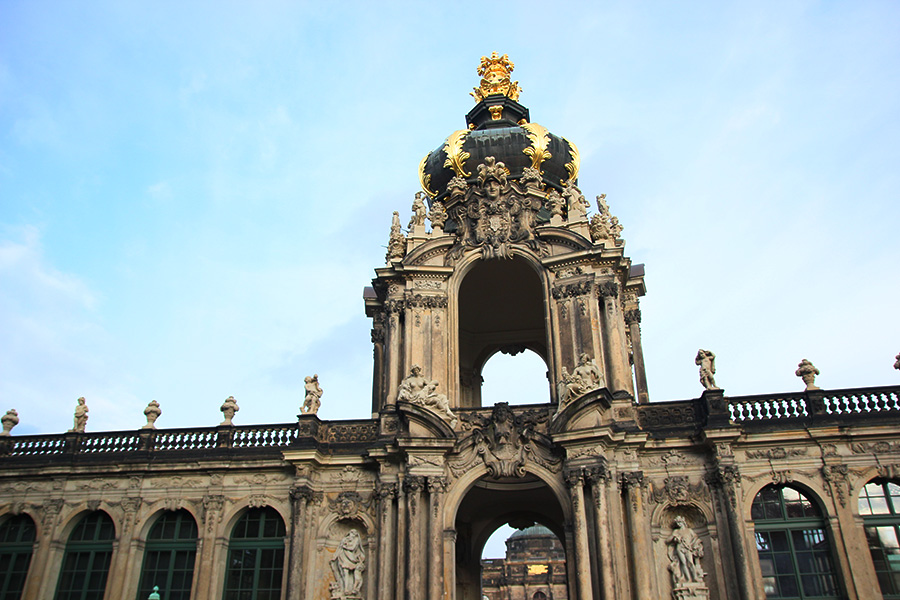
[498, 126]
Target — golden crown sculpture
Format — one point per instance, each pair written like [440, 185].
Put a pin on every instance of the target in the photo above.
[495, 79]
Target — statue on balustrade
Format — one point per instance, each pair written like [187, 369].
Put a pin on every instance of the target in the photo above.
[312, 401]
[81, 416]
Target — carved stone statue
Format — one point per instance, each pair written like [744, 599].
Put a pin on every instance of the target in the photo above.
[685, 549]
[81, 416]
[348, 566]
[417, 389]
[585, 378]
[152, 413]
[228, 409]
[576, 205]
[603, 225]
[897, 364]
[397, 241]
[418, 211]
[706, 360]
[312, 401]
[807, 372]
[9, 420]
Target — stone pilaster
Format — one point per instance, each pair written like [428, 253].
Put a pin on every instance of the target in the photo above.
[124, 560]
[300, 498]
[415, 577]
[47, 558]
[725, 483]
[633, 321]
[387, 494]
[598, 478]
[633, 485]
[575, 483]
[618, 367]
[206, 565]
[436, 488]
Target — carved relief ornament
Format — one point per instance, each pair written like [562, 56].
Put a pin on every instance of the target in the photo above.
[492, 215]
[677, 489]
[504, 443]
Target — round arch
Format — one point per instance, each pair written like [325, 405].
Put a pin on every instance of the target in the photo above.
[495, 305]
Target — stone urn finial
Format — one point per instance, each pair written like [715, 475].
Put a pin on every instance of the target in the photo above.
[152, 413]
[228, 409]
[807, 372]
[9, 420]
[897, 364]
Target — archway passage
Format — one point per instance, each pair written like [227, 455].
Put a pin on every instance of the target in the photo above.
[515, 379]
[521, 502]
[501, 308]
[533, 567]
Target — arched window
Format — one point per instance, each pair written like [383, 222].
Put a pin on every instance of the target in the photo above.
[169, 557]
[256, 556]
[879, 505]
[794, 551]
[16, 544]
[87, 558]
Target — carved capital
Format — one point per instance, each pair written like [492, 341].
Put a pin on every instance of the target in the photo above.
[633, 316]
[301, 493]
[413, 484]
[597, 474]
[609, 289]
[437, 484]
[631, 479]
[573, 477]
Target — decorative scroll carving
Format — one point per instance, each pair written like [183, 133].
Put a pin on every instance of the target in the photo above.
[348, 566]
[875, 447]
[504, 443]
[836, 476]
[258, 500]
[678, 490]
[777, 453]
[425, 180]
[540, 140]
[573, 165]
[456, 156]
[212, 511]
[493, 214]
[50, 511]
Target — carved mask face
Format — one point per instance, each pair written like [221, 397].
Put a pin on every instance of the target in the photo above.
[492, 189]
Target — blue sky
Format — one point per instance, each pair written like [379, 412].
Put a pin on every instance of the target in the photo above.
[193, 196]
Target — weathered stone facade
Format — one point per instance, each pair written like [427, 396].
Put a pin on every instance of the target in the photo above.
[650, 500]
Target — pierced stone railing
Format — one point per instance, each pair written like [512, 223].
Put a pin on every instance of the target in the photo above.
[769, 406]
[862, 401]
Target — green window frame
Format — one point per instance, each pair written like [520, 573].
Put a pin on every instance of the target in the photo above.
[87, 559]
[169, 557]
[17, 536]
[795, 553]
[879, 506]
[256, 556]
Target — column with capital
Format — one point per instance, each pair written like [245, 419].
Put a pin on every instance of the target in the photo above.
[208, 546]
[415, 584]
[633, 485]
[436, 487]
[633, 321]
[47, 559]
[387, 493]
[300, 498]
[725, 484]
[618, 368]
[575, 484]
[598, 477]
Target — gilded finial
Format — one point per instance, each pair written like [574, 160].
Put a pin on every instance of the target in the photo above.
[495, 78]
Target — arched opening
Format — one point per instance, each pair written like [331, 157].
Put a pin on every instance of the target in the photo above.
[532, 565]
[515, 379]
[879, 507]
[169, 556]
[793, 546]
[87, 558]
[256, 556]
[521, 503]
[17, 535]
[501, 309]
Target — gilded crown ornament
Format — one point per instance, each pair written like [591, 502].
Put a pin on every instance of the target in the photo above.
[495, 78]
